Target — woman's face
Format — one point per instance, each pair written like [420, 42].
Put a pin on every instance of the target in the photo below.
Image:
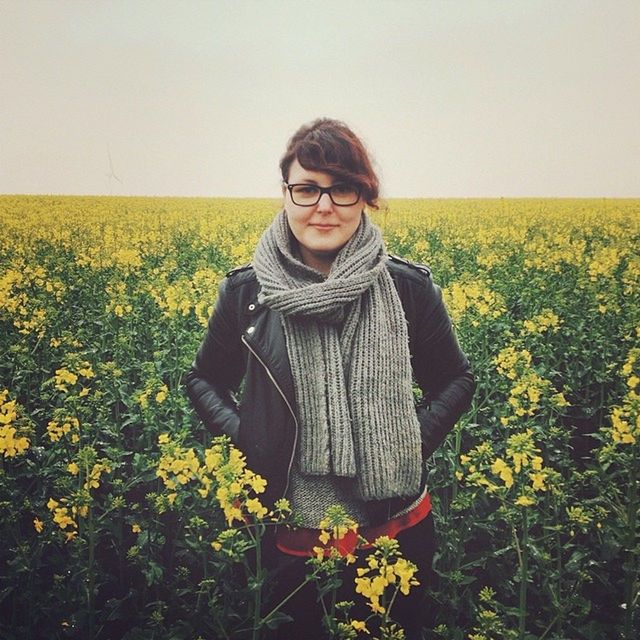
[324, 228]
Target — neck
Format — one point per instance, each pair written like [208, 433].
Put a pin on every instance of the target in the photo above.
[319, 261]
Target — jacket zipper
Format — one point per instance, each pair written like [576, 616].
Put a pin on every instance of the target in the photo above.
[293, 415]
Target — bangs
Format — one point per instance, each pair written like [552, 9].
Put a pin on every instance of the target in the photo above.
[329, 146]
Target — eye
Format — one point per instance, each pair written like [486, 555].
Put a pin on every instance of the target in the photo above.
[343, 190]
[305, 189]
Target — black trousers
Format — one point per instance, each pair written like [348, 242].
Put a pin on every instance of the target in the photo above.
[413, 612]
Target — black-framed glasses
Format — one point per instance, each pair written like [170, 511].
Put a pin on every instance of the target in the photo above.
[307, 195]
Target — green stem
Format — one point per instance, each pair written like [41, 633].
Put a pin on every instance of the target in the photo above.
[334, 598]
[452, 519]
[91, 576]
[456, 466]
[631, 568]
[203, 556]
[325, 615]
[559, 568]
[524, 574]
[523, 563]
[562, 609]
[257, 595]
[221, 630]
[285, 600]
[393, 599]
[550, 625]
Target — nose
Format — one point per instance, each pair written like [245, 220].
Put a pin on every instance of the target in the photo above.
[324, 204]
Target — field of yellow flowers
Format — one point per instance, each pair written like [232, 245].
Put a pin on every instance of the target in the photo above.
[121, 518]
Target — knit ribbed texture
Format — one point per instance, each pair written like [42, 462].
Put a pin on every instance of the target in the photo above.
[348, 347]
[311, 497]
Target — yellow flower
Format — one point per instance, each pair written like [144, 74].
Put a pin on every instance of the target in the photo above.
[501, 468]
[73, 468]
[56, 429]
[621, 428]
[62, 519]
[222, 495]
[255, 506]
[537, 480]
[232, 513]
[258, 483]
[212, 458]
[143, 399]
[521, 448]
[558, 400]
[93, 479]
[359, 625]
[38, 525]
[63, 377]
[163, 438]
[405, 571]
[135, 527]
[11, 446]
[337, 523]
[525, 501]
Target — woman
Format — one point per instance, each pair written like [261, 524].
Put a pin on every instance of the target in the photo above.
[328, 332]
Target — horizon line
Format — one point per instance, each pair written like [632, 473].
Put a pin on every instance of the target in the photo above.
[380, 199]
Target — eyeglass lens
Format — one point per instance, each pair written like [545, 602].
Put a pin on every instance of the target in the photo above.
[340, 194]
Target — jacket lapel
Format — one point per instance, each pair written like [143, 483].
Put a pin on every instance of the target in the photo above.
[265, 336]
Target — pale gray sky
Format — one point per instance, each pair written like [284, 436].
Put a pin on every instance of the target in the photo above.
[456, 98]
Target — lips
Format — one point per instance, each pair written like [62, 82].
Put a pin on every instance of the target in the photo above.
[324, 226]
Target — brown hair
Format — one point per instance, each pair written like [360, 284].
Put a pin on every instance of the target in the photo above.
[331, 147]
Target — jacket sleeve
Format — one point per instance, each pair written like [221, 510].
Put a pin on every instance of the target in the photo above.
[216, 372]
[441, 368]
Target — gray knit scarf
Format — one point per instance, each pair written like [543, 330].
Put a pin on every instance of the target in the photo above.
[348, 347]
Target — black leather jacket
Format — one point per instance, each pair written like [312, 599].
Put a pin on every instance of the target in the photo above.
[244, 349]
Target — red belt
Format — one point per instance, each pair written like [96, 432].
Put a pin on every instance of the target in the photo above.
[300, 542]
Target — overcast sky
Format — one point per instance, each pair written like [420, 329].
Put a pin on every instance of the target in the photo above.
[456, 98]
